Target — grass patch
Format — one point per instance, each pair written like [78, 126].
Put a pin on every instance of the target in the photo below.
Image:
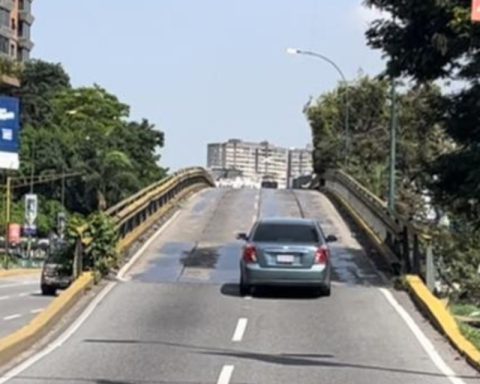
[472, 334]
[465, 310]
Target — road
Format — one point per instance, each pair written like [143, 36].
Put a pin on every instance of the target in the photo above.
[178, 317]
[20, 302]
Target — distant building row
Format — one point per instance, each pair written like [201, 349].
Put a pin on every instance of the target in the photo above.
[260, 160]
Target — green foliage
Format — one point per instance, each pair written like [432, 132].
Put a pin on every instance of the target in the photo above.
[432, 40]
[83, 130]
[102, 253]
[40, 82]
[99, 237]
[459, 262]
[420, 138]
[472, 334]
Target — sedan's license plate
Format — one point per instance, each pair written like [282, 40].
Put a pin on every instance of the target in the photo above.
[285, 259]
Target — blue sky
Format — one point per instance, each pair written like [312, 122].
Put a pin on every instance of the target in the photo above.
[208, 70]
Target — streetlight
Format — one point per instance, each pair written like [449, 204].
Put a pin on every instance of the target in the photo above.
[294, 51]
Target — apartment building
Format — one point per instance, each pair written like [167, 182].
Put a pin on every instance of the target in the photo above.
[258, 160]
[16, 20]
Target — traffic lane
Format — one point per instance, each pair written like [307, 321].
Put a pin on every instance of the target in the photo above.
[350, 262]
[200, 246]
[20, 302]
[354, 336]
[278, 203]
[144, 332]
[163, 329]
[18, 310]
[351, 265]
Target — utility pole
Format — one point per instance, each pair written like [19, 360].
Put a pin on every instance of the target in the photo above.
[7, 219]
[393, 149]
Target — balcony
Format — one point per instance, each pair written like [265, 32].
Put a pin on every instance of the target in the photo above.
[25, 42]
[7, 4]
[6, 31]
[26, 16]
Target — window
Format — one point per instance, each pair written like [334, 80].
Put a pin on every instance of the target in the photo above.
[12, 50]
[4, 18]
[24, 30]
[286, 233]
[4, 45]
[14, 24]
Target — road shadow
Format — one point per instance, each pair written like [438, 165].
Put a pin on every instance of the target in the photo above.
[272, 293]
[325, 360]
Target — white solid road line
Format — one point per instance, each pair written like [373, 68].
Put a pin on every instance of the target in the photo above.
[62, 339]
[423, 340]
[225, 374]
[133, 260]
[240, 329]
[12, 317]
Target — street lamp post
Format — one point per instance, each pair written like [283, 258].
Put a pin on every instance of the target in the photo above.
[294, 51]
[393, 149]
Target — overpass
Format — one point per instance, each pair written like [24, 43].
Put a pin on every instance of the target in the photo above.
[174, 315]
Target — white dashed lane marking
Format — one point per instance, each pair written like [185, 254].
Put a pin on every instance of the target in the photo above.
[240, 330]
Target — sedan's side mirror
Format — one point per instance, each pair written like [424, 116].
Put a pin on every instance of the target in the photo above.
[242, 236]
[331, 239]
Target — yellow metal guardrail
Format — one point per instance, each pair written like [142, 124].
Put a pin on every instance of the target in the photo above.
[135, 214]
[407, 242]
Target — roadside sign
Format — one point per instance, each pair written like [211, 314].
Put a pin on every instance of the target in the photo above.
[476, 11]
[31, 209]
[9, 132]
[30, 230]
[14, 233]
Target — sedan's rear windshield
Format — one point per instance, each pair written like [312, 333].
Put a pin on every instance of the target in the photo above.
[286, 233]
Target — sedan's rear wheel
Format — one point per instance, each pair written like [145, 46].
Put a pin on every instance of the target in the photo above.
[325, 291]
[245, 289]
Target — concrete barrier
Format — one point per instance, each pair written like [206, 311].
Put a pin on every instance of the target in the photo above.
[442, 319]
[19, 341]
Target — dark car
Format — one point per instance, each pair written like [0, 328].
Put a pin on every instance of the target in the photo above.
[270, 184]
[286, 252]
[57, 272]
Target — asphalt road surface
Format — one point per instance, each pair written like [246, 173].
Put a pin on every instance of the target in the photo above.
[20, 302]
[178, 317]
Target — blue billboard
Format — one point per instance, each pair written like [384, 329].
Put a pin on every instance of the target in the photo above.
[9, 132]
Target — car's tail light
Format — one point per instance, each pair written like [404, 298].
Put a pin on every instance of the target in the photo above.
[250, 254]
[322, 255]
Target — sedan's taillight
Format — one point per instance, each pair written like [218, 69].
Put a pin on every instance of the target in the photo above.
[250, 254]
[322, 255]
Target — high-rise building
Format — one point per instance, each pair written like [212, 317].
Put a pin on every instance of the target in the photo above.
[16, 20]
[259, 160]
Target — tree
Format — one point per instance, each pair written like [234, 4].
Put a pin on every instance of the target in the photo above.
[420, 138]
[435, 40]
[83, 130]
[40, 83]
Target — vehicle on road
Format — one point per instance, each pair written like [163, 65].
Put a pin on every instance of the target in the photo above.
[286, 252]
[269, 184]
[57, 271]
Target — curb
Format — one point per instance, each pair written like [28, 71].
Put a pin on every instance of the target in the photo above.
[17, 342]
[442, 319]
[18, 272]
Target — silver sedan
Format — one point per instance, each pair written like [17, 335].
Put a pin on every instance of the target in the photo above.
[286, 252]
